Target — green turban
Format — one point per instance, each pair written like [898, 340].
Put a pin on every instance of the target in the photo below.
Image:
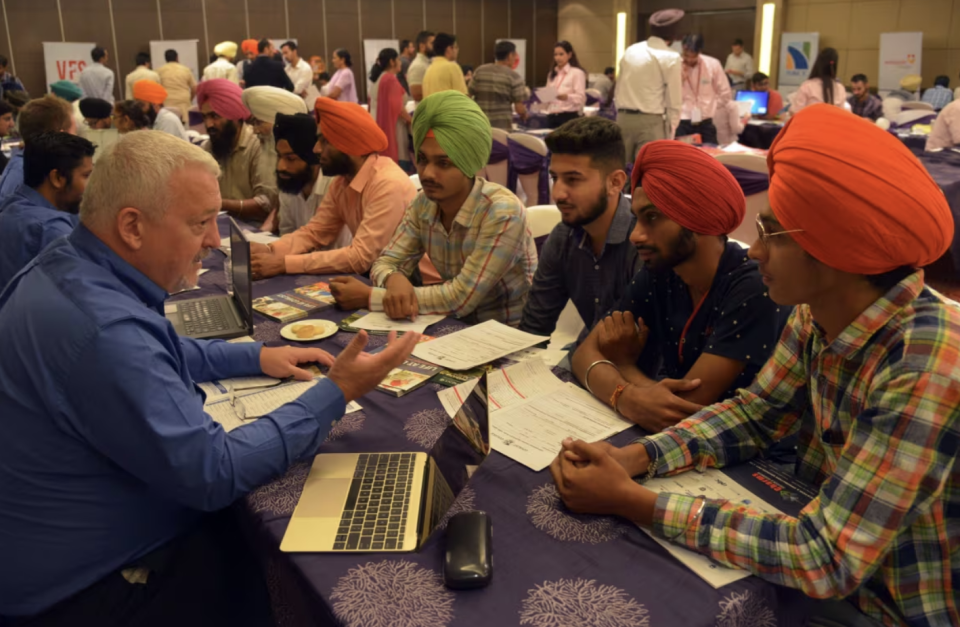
[68, 90]
[460, 127]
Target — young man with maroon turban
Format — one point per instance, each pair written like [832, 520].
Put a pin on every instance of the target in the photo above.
[246, 192]
[697, 315]
[867, 372]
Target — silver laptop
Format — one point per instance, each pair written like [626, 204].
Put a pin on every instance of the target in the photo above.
[389, 502]
[224, 317]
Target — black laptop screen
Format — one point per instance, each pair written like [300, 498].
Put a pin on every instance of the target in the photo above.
[240, 270]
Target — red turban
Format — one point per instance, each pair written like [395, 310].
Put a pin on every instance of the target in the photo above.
[226, 98]
[249, 46]
[349, 127]
[690, 187]
[149, 91]
[863, 202]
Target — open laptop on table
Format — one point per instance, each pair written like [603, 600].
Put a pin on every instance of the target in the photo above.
[759, 101]
[224, 316]
[363, 502]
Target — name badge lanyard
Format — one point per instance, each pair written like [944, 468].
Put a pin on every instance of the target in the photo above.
[695, 116]
[686, 327]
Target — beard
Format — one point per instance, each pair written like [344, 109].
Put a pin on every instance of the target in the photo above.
[294, 183]
[188, 282]
[151, 115]
[339, 165]
[679, 251]
[221, 141]
[594, 211]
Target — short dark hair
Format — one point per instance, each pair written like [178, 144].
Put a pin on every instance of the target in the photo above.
[859, 78]
[97, 53]
[693, 42]
[403, 44]
[597, 137]
[288, 44]
[423, 36]
[738, 42]
[942, 81]
[504, 49]
[344, 54]
[263, 44]
[887, 280]
[170, 55]
[442, 42]
[5, 108]
[465, 68]
[3, 61]
[323, 76]
[134, 111]
[47, 152]
[143, 58]
[49, 114]
[759, 77]
[609, 70]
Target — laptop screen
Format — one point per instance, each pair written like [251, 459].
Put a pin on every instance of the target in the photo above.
[759, 101]
[240, 270]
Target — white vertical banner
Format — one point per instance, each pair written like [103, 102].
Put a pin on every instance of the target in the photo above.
[186, 51]
[371, 50]
[900, 55]
[65, 60]
[798, 51]
[521, 66]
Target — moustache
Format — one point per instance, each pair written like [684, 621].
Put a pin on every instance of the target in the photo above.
[203, 254]
[646, 249]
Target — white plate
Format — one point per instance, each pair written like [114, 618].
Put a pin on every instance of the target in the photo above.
[321, 329]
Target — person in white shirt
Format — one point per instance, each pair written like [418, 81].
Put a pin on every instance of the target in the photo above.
[150, 96]
[142, 72]
[739, 66]
[96, 80]
[649, 92]
[299, 71]
[705, 87]
[223, 67]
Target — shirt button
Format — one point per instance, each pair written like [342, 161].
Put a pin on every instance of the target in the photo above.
[596, 300]
[596, 267]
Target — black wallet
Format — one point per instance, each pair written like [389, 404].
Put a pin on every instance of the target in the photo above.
[468, 561]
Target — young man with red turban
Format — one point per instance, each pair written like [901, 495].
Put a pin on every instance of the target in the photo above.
[150, 95]
[245, 191]
[867, 372]
[697, 312]
[368, 195]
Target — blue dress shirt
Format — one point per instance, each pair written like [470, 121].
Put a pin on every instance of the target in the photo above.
[12, 177]
[28, 224]
[106, 453]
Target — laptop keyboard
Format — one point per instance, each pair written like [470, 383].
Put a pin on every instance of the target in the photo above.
[202, 316]
[375, 515]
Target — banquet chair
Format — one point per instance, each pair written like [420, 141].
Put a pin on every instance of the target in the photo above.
[746, 233]
[892, 108]
[918, 106]
[909, 117]
[531, 177]
[542, 219]
[498, 172]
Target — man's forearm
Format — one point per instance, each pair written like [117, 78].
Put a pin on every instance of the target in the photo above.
[247, 209]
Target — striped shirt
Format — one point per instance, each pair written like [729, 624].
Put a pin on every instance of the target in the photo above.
[496, 87]
[486, 261]
[878, 414]
[938, 97]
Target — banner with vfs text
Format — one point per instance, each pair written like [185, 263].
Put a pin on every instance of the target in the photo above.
[65, 60]
[900, 55]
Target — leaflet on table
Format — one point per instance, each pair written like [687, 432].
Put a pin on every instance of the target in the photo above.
[378, 321]
[505, 387]
[218, 390]
[412, 374]
[450, 378]
[476, 345]
[712, 484]
[260, 237]
[531, 432]
[295, 304]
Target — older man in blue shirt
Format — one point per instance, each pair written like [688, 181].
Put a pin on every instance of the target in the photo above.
[109, 460]
[56, 167]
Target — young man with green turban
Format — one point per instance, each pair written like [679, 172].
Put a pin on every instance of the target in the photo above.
[474, 231]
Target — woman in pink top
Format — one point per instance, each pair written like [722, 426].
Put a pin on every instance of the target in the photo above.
[342, 85]
[570, 81]
[822, 86]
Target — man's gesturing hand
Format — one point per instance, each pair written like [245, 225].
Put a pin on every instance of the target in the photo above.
[356, 372]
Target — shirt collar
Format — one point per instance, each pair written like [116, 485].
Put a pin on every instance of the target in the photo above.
[247, 138]
[94, 249]
[876, 316]
[620, 226]
[657, 42]
[468, 210]
[367, 170]
[35, 197]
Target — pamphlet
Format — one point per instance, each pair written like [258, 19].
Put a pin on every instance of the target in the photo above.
[296, 304]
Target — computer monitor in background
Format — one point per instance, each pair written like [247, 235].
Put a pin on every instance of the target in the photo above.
[759, 101]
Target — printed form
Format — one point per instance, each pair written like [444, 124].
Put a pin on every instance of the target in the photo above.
[476, 345]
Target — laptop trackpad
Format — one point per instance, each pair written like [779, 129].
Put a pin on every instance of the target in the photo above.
[323, 498]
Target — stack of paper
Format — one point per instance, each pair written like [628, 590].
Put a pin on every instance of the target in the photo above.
[378, 321]
[260, 238]
[476, 345]
[505, 387]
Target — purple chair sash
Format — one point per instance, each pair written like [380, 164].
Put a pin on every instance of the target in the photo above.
[498, 153]
[525, 161]
[927, 119]
[750, 182]
[591, 100]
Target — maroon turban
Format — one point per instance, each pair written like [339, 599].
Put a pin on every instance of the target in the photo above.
[226, 98]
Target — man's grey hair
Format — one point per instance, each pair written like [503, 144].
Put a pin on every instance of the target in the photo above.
[136, 172]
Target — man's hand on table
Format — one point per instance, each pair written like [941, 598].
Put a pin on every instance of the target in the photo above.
[400, 301]
[350, 292]
[357, 373]
[282, 362]
[622, 339]
[264, 263]
[657, 406]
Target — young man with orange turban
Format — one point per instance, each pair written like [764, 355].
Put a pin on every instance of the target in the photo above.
[249, 48]
[245, 191]
[867, 372]
[151, 95]
[367, 195]
[697, 312]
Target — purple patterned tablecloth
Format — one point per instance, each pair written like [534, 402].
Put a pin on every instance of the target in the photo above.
[551, 567]
[945, 170]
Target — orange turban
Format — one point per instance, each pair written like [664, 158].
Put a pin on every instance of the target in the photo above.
[249, 46]
[149, 91]
[349, 127]
[690, 187]
[863, 202]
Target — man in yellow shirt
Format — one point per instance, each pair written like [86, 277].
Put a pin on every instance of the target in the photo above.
[444, 72]
[180, 83]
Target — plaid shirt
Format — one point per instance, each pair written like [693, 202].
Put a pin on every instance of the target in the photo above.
[496, 87]
[938, 97]
[486, 261]
[878, 413]
[870, 107]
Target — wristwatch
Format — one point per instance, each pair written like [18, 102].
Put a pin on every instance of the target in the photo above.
[655, 459]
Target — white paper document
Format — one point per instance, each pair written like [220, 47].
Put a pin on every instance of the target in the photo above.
[260, 238]
[531, 432]
[218, 390]
[476, 345]
[378, 321]
[505, 387]
[715, 485]
[549, 356]
[546, 94]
